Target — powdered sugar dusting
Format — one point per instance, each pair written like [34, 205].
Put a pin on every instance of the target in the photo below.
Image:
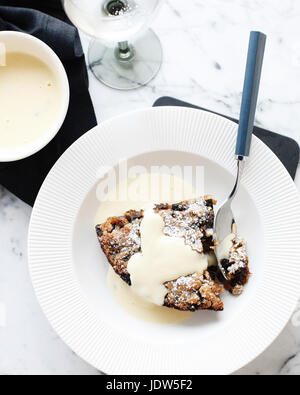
[189, 221]
[134, 237]
[195, 290]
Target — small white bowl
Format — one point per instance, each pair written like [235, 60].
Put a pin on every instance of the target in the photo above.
[25, 43]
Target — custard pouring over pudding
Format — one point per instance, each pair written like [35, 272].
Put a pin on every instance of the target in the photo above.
[30, 99]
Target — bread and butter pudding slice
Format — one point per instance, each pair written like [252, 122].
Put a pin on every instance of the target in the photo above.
[233, 257]
[236, 267]
[191, 220]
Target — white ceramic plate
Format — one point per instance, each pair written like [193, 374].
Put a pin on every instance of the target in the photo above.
[68, 269]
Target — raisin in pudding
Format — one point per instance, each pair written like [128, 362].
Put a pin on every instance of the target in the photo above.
[164, 253]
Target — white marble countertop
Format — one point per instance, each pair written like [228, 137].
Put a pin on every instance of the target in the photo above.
[204, 46]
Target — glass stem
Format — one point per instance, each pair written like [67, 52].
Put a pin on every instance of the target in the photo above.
[124, 50]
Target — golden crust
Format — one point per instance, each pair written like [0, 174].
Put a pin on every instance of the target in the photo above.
[119, 239]
[195, 292]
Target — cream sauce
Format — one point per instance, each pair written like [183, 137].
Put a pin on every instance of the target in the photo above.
[162, 259]
[140, 308]
[30, 99]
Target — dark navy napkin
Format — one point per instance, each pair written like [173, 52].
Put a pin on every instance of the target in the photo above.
[25, 177]
[50, 7]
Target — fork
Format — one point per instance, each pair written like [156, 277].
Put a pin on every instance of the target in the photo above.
[224, 222]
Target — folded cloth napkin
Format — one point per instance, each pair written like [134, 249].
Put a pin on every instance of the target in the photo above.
[50, 7]
[25, 177]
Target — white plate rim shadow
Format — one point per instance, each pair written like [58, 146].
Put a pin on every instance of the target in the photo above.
[51, 234]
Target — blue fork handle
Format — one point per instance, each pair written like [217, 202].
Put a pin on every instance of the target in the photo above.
[250, 92]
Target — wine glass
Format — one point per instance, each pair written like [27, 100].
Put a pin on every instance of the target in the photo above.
[114, 60]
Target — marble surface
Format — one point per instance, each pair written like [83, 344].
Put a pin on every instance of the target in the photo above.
[204, 46]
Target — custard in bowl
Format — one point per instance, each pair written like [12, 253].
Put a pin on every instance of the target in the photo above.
[34, 95]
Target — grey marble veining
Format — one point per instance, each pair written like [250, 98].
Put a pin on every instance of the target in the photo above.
[205, 45]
